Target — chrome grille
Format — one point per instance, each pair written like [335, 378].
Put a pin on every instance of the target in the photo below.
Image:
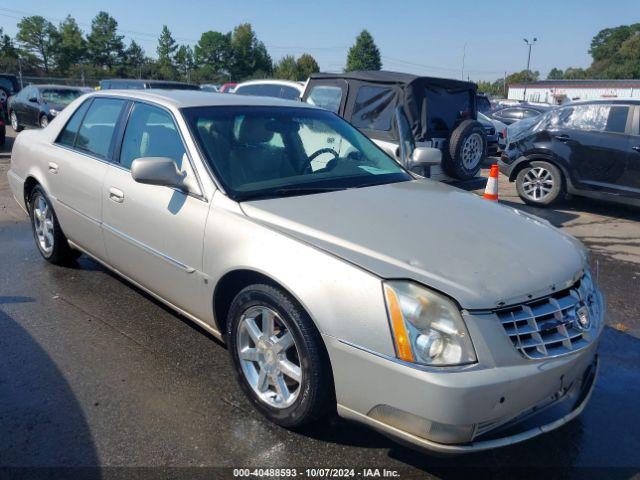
[551, 326]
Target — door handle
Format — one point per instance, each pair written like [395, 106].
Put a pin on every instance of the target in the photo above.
[53, 168]
[116, 195]
[636, 148]
[563, 138]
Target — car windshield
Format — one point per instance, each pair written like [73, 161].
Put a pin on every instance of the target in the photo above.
[265, 152]
[60, 96]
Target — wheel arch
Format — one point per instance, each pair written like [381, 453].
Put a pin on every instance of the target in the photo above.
[29, 184]
[232, 282]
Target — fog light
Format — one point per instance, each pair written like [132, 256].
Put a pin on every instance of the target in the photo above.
[421, 427]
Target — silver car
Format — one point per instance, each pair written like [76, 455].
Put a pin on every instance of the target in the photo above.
[337, 279]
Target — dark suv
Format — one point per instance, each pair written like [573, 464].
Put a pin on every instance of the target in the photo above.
[589, 148]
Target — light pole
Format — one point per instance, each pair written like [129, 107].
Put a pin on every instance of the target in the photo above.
[530, 44]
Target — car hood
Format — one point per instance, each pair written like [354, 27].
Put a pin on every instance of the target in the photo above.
[481, 253]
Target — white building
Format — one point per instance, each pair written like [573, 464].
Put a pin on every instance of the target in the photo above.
[561, 91]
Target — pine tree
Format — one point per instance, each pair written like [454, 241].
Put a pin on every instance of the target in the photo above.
[306, 66]
[364, 55]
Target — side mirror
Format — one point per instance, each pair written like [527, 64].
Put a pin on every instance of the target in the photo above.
[161, 171]
[422, 158]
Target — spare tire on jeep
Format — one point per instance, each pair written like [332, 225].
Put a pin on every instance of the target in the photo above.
[467, 147]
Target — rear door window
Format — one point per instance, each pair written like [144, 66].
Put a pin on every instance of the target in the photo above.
[374, 108]
[96, 132]
[599, 118]
[326, 96]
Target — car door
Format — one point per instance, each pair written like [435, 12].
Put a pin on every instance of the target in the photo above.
[19, 103]
[154, 234]
[32, 107]
[77, 167]
[631, 178]
[596, 135]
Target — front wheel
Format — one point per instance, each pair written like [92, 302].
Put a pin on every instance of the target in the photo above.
[44, 121]
[278, 356]
[14, 122]
[539, 183]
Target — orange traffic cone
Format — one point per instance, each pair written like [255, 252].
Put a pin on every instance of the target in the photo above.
[491, 190]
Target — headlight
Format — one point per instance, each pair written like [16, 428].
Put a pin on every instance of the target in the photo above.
[54, 112]
[427, 327]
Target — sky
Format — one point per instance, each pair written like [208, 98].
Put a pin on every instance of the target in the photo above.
[415, 36]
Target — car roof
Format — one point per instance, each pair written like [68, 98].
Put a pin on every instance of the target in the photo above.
[624, 100]
[57, 87]
[286, 83]
[386, 76]
[199, 98]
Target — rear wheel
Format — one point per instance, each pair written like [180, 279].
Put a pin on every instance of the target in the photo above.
[467, 148]
[50, 240]
[540, 183]
[44, 121]
[278, 356]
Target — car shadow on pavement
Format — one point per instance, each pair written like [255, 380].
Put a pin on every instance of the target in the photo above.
[42, 423]
[571, 209]
[5, 150]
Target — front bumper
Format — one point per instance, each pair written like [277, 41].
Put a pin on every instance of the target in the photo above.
[462, 409]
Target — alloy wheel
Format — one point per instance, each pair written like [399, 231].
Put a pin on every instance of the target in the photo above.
[14, 121]
[472, 151]
[44, 121]
[43, 224]
[538, 183]
[269, 357]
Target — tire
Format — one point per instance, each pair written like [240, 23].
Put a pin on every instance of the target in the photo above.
[311, 396]
[50, 240]
[467, 148]
[44, 121]
[15, 124]
[3, 135]
[548, 186]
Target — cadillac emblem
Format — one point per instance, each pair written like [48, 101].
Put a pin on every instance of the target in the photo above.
[583, 318]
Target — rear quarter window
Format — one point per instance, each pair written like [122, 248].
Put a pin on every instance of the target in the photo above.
[373, 108]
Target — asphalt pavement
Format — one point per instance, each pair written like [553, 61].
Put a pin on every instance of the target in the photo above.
[94, 373]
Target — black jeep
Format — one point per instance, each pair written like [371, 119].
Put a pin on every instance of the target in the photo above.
[440, 114]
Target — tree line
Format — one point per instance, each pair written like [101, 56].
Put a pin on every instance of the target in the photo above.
[41, 48]
[615, 54]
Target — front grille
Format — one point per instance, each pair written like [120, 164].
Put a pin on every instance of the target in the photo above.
[551, 326]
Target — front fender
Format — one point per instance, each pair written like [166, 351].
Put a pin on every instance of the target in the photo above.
[343, 300]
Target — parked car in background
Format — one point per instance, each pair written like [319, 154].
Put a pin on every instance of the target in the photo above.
[9, 86]
[227, 87]
[512, 114]
[448, 322]
[134, 83]
[496, 134]
[440, 116]
[37, 105]
[286, 89]
[210, 87]
[589, 148]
